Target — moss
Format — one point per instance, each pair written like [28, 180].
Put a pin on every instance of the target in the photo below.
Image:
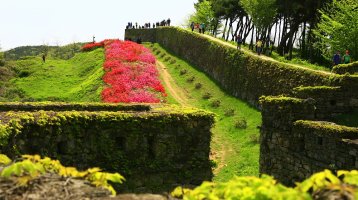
[326, 128]
[130, 142]
[280, 100]
[315, 88]
[59, 106]
[350, 68]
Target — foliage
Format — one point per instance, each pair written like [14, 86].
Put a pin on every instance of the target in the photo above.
[54, 52]
[262, 12]
[92, 46]
[267, 188]
[131, 74]
[2, 61]
[338, 28]
[244, 188]
[33, 166]
[204, 14]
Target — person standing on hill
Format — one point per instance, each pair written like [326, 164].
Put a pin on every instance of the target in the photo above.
[168, 22]
[202, 27]
[238, 41]
[347, 58]
[259, 46]
[44, 58]
[337, 58]
[192, 26]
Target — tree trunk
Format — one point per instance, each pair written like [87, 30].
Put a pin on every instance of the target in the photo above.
[228, 31]
[223, 37]
[274, 38]
[303, 45]
[252, 38]
[283, 47]
[279, 32]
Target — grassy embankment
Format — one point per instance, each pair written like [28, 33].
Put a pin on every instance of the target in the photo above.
[77, 79]
[235, 147]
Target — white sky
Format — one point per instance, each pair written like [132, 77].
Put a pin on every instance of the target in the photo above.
[36, 22]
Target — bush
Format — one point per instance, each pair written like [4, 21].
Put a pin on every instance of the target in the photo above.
[255, 139]
[215, 103]
[198, 86]
[322, 185]
[191, 79]
[167, 59]
[173, 61]
[183, 71]
[241, 123]
[229, 112]
[23, 74]
[162, 55]
[157, 52]
[207, 95]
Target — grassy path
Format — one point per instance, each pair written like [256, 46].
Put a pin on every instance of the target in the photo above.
[262, 56]
[176, 92]
[181, 97]
[234, 150]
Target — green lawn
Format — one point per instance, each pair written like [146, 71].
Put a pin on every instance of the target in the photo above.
[78, 79]
[235, 150]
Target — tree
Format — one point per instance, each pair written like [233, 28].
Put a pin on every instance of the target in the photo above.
[338, 28]
[204, 14]
[262, 12]
[2, 60]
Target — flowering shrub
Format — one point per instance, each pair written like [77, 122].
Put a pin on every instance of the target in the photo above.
[131, 74]
[92, 46]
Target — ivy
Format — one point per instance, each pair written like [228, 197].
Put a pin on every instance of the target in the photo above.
[33, 166]
[267, 187]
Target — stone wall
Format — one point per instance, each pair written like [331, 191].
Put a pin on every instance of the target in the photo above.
[295, 140]
[294, 145]
[154, 150]
[242, 75]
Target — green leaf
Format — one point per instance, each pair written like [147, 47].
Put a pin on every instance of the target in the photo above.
[4, 160]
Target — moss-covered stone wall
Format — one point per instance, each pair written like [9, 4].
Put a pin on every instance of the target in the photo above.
[295, 142]
[155, 149]
[294, 145]
[351, 68]
[242, 75]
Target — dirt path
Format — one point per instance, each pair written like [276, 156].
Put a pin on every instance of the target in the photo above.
[221, 155]
[177, 93]
[180, 95]
[262, 56]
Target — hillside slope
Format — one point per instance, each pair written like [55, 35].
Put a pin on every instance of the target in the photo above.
[76, 79]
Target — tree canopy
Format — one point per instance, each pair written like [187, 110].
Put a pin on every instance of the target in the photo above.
[338, 28]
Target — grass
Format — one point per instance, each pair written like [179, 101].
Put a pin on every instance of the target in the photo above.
[76, 80]
[235, 150]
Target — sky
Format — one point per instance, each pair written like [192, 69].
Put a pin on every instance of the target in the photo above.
[60, 22]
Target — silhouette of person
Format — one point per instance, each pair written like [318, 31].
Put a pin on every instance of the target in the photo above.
[337, 58]
[43, 58]
[168, 22]
[347, 58]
